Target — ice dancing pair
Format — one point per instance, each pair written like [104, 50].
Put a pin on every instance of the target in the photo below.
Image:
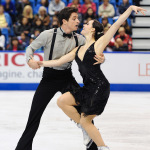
[57, 76]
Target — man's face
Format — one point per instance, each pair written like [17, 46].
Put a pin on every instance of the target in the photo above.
[106, 2]
[75, 2]
[57, 1]
[87, 1]
[73, 22]
[125, 1]
[25, 1]
[36, 33]
[23, 36]
[7, 1]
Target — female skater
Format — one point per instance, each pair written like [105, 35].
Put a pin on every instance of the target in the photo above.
[93, 96]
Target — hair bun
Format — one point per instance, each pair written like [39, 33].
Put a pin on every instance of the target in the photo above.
[99, 33]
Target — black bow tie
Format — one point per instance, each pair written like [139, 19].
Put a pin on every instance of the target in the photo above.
[67, 35]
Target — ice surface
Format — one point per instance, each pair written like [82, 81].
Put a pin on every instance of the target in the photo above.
[124, 125]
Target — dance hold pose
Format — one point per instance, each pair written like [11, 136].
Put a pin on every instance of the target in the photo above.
[56, 43]
[94, 95]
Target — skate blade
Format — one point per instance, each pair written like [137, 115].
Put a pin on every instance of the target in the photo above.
[89, 144]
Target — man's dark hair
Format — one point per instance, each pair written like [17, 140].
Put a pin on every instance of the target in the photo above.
[66, 13]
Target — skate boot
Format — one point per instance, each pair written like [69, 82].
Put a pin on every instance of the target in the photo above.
[103, 148]
[87, 141]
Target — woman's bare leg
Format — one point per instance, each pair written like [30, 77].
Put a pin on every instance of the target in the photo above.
[93, 132]
[67, 102]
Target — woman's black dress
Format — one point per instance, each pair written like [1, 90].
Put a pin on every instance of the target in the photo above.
[93, 96]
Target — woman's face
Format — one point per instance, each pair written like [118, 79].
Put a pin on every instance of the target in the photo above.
[87, 28]
[43, 2]
[90, 11]
[28, 10]
[42, 12]
[87, 1]
[104, 22]
[38, 22]
[24, 21]
[15, 42]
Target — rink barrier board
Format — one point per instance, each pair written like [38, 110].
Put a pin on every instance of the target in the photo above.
[113, 87]
[145, 87]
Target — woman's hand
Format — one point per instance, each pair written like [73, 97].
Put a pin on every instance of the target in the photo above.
[138, 9]
[33, 63]
[40, 63]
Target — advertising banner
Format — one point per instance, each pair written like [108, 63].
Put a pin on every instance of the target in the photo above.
[132, 69]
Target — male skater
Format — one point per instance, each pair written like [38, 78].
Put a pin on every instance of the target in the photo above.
[56, 43]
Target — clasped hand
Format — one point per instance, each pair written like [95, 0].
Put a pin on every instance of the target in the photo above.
[33, 63]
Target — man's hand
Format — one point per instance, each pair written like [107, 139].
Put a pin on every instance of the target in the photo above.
[100, 14]
[116, 45]
[99, 58]
[33, 63]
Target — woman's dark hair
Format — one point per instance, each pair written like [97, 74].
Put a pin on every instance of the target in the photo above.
[66, 13]
[38, 19]
[99, 29]
[0, 32]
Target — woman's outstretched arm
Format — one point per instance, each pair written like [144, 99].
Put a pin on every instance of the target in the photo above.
[58, 62]
[102, 42]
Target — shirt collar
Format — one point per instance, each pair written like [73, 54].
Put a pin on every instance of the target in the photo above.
[62, 31]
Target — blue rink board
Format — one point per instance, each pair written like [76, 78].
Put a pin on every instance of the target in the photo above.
[113, 87]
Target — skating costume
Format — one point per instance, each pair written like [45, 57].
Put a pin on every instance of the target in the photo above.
[93, 96]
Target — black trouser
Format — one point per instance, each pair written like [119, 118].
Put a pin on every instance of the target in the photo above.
[52, 82]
